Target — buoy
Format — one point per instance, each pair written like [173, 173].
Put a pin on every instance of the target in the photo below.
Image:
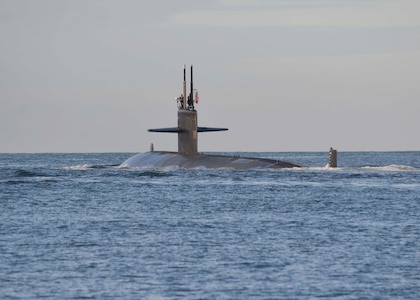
[332, 161]
[151, 147]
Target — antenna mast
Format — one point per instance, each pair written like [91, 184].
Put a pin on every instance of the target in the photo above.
[184, 105]
[191, 100]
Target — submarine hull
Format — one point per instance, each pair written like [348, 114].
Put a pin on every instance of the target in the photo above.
[163, 159]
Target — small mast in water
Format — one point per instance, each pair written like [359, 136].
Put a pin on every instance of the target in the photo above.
[187, 122]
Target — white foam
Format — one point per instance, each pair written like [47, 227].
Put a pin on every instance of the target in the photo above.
[78, 167]
[391, 168]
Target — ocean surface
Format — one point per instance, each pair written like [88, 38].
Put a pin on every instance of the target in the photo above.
[78, 226]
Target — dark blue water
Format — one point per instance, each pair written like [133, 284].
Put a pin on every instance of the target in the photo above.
[77, 226]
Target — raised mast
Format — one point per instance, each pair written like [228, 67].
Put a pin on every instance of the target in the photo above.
[184, 104]
[191, 99]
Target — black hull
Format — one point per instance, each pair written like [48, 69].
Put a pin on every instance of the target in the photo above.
[164, 160]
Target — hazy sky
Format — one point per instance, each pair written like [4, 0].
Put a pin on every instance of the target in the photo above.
[282, 75]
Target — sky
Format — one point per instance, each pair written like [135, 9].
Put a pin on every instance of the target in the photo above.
[282, 75]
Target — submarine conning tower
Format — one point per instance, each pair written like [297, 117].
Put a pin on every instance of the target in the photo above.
[187, 136]
[187, 121]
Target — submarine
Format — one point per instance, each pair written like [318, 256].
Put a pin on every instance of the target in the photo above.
[188, 156]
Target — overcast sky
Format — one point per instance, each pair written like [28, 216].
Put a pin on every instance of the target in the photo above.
[282, 75]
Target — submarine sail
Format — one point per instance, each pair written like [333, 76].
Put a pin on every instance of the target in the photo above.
[187, 122]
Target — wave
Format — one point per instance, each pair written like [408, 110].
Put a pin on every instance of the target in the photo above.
[390, 168]
[327, 168]
[78, 167]
[25, 176]
[90, 167]
[25, 173]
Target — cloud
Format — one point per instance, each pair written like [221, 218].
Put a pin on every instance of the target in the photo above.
[362, 14]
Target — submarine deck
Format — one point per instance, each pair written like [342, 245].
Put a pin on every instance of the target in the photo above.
[165, 159]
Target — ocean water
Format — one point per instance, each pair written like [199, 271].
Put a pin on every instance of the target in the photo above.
[77, 226]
